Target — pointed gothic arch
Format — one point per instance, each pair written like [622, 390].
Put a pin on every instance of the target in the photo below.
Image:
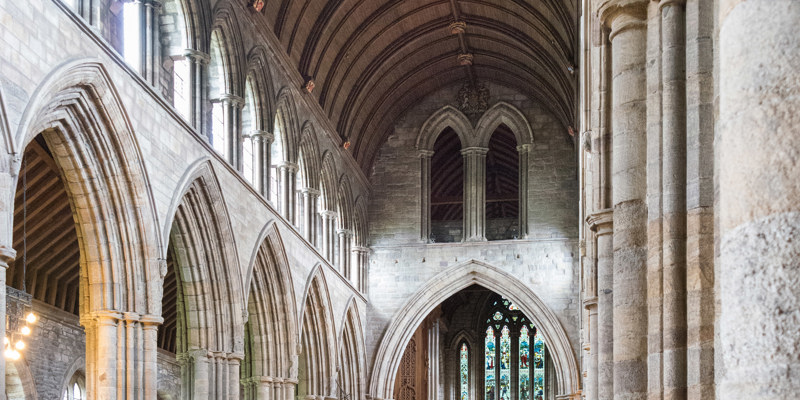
[506, 114]
[317, 372]
[445, 117]
[417, 307]
[210, 306]
[308, 156]
[286, 112]
[271, 342]
[352, 352]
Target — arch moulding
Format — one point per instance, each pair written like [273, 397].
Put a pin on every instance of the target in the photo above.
[450, 281]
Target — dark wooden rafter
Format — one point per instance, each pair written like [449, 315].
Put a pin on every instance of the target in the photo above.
[371, 60]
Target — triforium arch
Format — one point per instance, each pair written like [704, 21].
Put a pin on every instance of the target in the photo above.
[309, 156]
[508, 115]
[230, 42]
[317, 360]
[445, 117]
[445, 284]
[286, 110]
[258, 68]
[78, 112]
[211, 307]
[270, 364]
[351, 360]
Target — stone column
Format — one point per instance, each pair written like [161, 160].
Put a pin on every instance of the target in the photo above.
[474, 193]
[759, 189]
[265, 144]
[198, 71]
[150, 337]
[673, 73]
[360, 265]
[628, 38]
[310, 200]
[345, 240]
[433, 361]
[523, 150]
[289, 387]
[425, 195]
[287, 171]
[7, 255]
[328, 235]
[602, 223]
[232, 119]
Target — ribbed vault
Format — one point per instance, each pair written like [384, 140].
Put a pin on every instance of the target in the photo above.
[372, 59]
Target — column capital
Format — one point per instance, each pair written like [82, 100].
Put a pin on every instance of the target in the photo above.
[601, 222]
[590, 303]
[524, 148]
[360, 249]
[7, 255]
[425, 153]
[344, 232]
[621, 15]
[151, 320]
[259, 134]
[328, 214]
[311, 192]
[232, 99]
[481, 151]
[197, 56]
[667, 3]
[290, 166]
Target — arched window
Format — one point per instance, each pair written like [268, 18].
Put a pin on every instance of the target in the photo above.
[299, 185]
[132, 34]
[216, 88]
[176, 62]
[508, 336]
[464, 371]
[76, 388]
[276, 159]
[251, 154]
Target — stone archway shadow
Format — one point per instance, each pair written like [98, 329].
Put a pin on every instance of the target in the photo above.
[447, 283]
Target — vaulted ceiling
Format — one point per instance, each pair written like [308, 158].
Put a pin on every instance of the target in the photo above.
[373, 59]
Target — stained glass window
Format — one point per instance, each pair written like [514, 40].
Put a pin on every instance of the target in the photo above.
[524, 368]
[505, 364]
[538, 367]
[464, 372]
[489, 367]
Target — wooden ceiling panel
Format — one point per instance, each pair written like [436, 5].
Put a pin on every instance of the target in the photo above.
[372, 59]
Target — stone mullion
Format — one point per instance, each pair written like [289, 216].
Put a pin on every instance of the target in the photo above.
[673, 72]
[523, 151]
[425, 195]
[628, 38]
[287, 172]
[360, 266]
[328, 234]
[759, 219]
[345, 237]
[474, 194]
[198, 70]
[310, 198]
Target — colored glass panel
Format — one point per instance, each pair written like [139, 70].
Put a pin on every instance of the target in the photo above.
[524, 364]
[498, 316]
[464, 372]
[538, 367]
[491, 352]
[505, 365]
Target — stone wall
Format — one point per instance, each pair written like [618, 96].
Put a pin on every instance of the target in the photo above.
[546, 261]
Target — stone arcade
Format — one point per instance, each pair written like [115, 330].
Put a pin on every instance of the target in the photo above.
[385, 199]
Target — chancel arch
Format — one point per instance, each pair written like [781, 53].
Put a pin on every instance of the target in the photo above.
[317, 359]
[406, 321]
[81, 121]
[210, 304]
[270, 363]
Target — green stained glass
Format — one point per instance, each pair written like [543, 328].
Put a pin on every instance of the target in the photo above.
[505, 365]
[538, 367]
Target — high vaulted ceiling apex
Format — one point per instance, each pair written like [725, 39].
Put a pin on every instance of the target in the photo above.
[373, 59]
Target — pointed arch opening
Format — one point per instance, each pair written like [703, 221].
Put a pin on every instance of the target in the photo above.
[351, 359]
[447, 189]
[317, 363]
[502, 185]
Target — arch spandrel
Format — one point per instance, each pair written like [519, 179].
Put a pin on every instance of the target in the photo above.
[406, 320]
